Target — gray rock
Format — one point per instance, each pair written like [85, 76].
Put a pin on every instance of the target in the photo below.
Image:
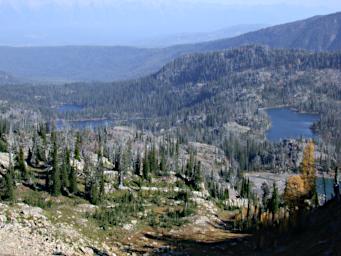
[3, 219]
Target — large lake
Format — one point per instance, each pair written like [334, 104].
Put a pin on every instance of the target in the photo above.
[289, 124]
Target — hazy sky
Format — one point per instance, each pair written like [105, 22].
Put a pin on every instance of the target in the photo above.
[112, 22]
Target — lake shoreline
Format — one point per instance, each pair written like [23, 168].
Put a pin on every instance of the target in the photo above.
[287, 123]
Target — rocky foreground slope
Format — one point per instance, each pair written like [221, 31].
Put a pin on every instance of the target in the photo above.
[28, 230]
[25, 230]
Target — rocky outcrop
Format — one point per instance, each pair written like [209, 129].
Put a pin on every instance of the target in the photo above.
[25, 230]
[4, 160]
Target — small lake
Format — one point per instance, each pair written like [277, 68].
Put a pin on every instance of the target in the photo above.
[83, 124]
[289, 124]
[80, 124]
[325, 187]
[69, 108]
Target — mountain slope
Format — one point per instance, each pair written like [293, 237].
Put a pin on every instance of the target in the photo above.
[97, 63]
[192, 38]
[192, 79]
[319, 33]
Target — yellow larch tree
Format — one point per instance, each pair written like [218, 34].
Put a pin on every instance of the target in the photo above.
[308, 168]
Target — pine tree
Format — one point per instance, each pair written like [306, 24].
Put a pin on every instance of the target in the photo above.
[197, 176]
[137, 164]
[190, 166]
[88, 179]
[55, 179]
[100, 177]
[162, 166]
[73, 181]
[102, 186]
[9, 187]
[245, 188]
[21, 165]
[65, 171]
[146, 165]
[125, 164]
[153, 162]
[120, 169]
[265, 195]
[94, 192]
[77, 153]
[274, 201]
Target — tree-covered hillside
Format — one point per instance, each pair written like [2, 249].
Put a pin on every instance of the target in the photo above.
[206, 89]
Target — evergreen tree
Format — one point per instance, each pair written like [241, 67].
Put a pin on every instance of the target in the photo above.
[88, 179]
[101, 187]
[137, 164]
[21, 165]
[9, 194]
[73, 181]
[120, 168]
[274, 201]
[146, 165]
[100, 177]
[94, 193]
[162, 166]
[55, 177]
[190, 166]
[65, 171]
[153, 162]
[245, 188]
[77, 153]
[125, 163]
[265, 195]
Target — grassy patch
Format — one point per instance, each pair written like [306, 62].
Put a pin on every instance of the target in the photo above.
[37, 199]
[126, 205]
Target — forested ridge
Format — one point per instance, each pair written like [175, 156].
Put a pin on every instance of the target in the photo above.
[207, 89]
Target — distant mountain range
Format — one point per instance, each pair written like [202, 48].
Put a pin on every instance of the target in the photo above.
[97, 63]
[319, 33]
[192, 38]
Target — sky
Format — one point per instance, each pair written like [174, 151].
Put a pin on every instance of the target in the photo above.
[126, 22]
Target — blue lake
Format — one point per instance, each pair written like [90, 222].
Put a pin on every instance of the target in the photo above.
[289, 124]
[83, 124]
[325, 187]
[69, 108]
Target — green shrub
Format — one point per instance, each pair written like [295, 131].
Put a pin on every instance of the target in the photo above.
[37, 199]
[172, 217]
[126, 207]
[3, 146]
